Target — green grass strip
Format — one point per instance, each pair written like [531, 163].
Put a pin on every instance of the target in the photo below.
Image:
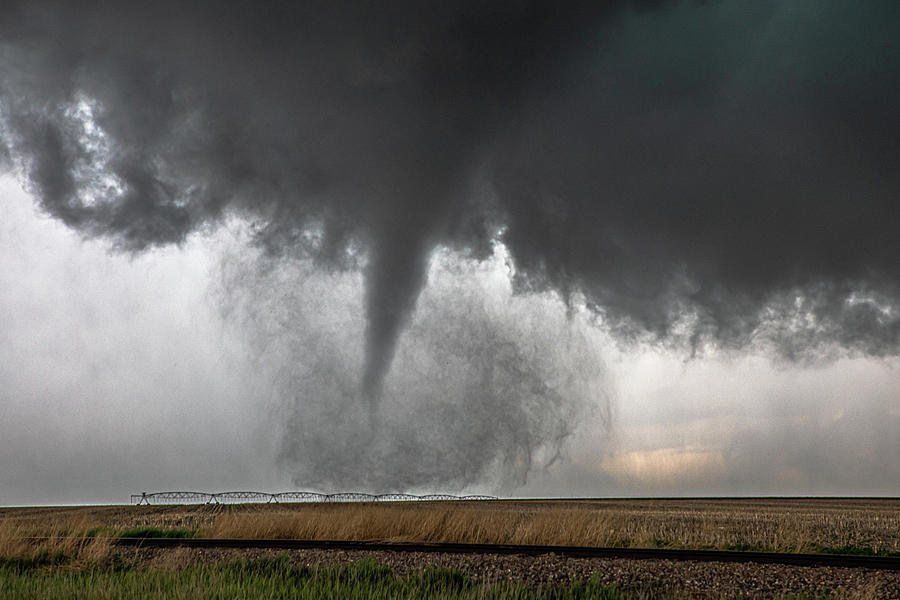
[272, 578]
[157, 532]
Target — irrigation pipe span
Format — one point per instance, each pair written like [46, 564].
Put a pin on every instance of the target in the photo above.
[265, 497]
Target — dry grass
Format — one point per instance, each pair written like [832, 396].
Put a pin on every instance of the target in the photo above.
[49, 535]
[69, 539]
[790, 525]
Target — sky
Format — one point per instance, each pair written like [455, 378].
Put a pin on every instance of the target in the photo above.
[592, 249]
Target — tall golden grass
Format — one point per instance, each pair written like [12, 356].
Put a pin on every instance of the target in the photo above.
[69, 538]
[789, 525]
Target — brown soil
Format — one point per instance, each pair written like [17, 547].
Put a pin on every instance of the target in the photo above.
[649, 578]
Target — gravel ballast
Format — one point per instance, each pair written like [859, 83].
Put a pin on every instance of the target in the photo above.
[650, 578]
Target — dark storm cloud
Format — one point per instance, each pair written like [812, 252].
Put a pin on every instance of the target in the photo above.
[734, 162]
[721, 172]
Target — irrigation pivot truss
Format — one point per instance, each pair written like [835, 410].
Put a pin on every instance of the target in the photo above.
[182, 497]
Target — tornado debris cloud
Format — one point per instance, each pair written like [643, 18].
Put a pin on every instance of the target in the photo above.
[484, 390]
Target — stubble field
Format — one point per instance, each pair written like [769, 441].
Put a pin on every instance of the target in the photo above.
[858, 526]
[79, 542]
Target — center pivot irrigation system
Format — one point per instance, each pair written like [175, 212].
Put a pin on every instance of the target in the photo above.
[264, 497]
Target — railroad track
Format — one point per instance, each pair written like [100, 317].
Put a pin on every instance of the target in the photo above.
[832, 560]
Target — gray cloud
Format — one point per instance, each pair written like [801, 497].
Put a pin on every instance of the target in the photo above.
[366, 119]
[702, 159]
[717, 173]
[720, 163]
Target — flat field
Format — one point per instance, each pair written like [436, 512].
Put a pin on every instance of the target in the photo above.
[848, 525]
[77, 558]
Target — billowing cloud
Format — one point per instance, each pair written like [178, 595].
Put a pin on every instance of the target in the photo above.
[144, 123]
[706, 174]
[715, 171]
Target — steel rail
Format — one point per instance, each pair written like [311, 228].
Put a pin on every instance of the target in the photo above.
[831, 560]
